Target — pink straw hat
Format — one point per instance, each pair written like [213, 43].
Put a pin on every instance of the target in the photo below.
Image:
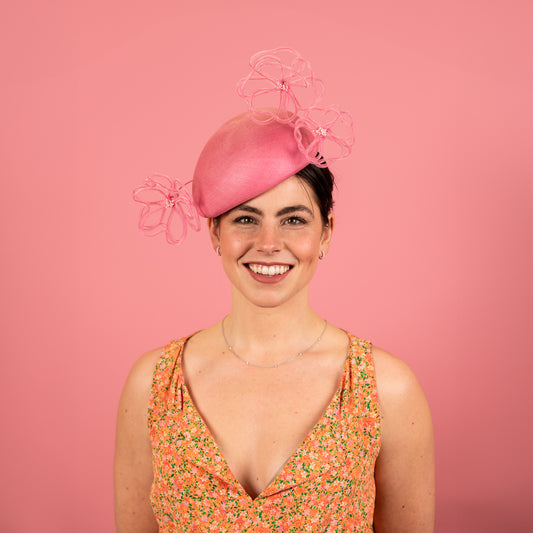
[242, 160]
[283, 132]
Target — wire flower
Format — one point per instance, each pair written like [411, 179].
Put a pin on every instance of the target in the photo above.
[168, 208]
[280, 84]
[282, 87]
[324, 135]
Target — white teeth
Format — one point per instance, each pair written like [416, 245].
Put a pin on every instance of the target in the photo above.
[272, 270]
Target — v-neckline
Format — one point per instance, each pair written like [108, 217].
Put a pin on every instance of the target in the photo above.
[203, 450]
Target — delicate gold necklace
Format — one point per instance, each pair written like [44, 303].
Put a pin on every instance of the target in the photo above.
[299, 354]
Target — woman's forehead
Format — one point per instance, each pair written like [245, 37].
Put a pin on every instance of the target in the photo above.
[292, 191]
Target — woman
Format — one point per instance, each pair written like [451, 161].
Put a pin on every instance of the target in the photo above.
[270, 420]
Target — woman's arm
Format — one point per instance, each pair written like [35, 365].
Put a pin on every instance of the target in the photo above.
[133, 452]
[405, 473]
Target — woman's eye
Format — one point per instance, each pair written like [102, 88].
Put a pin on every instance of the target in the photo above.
[293, 221]
[244, 220]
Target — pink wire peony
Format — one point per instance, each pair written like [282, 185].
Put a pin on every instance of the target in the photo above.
[324, 135]
[279, 86]
[168, 207]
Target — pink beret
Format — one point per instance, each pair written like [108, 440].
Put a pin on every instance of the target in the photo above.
[242, 160]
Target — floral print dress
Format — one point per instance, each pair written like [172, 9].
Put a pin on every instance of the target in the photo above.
[327, 485]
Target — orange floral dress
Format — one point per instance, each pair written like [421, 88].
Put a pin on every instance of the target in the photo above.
[327, 485]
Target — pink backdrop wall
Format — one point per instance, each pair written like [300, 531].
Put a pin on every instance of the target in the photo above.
[431, 257]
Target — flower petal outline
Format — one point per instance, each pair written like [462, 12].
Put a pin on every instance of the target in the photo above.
[286, 78]
[168, 208]
[325, 134]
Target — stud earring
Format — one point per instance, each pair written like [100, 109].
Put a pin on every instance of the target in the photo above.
[218, 250]
[322, 254]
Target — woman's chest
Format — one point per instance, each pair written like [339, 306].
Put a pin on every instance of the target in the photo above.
[259, 418]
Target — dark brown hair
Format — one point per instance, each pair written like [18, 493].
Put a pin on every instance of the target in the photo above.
[321, 181]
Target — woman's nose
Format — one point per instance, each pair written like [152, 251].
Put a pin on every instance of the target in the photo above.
[268, 239]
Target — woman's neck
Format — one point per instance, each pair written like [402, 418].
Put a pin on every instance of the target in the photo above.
[265, 334]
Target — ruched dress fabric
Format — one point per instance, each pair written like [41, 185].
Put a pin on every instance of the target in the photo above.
[327, 485]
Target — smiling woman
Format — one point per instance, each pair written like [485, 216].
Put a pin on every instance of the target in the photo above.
[269, 420]
[274, 239]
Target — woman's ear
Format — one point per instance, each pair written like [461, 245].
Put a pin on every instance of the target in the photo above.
[213, 225]
[327, 232]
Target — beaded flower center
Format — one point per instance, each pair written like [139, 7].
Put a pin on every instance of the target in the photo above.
[171, 200]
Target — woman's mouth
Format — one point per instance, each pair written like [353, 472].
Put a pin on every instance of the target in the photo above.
[268, 270]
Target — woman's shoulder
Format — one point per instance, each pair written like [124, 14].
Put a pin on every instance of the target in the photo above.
[394, 377]
[403, 406]
[140, 377]
[399, 391]
[139, 383]
[142, 372]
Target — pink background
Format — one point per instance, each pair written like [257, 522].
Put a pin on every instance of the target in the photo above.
[431, 258]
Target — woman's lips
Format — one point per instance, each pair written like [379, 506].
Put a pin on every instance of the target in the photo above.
[268, 270]
[271, 273]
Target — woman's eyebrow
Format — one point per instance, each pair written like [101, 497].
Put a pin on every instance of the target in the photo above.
[248, 209]
[292, 209]
[284, 211]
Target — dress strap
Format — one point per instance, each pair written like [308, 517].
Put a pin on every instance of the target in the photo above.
[360, 397]
[167, 381]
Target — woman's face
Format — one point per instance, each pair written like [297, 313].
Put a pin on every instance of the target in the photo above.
[270, 245]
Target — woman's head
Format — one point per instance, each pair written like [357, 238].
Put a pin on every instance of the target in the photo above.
[270, 244]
